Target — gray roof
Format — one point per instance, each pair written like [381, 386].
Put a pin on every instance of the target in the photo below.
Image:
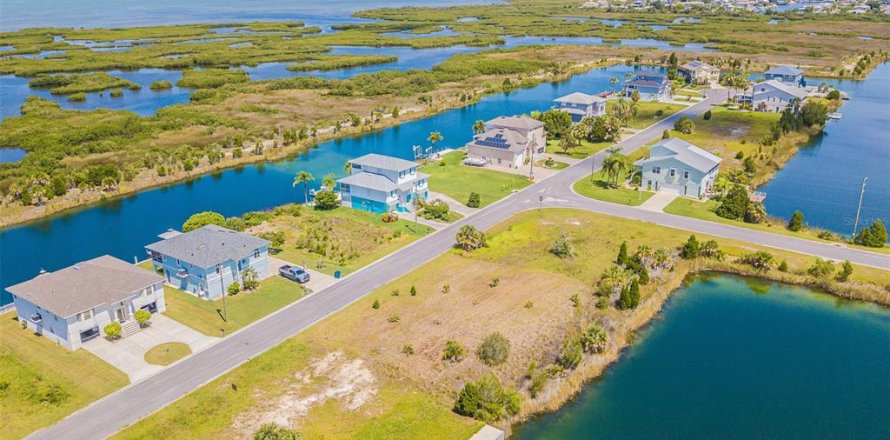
[384, 162]
[410, 184]
[686, 153]
[784, 70]
[501, 139]
[369, 180]
[92, 283]
[580, 98]
[208, 246]
[642, 83]
[696, 64]
[795, 91]
[515, 122]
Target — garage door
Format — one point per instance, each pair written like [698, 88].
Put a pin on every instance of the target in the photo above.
[671, 188]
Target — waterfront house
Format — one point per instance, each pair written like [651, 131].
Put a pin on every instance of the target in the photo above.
[700, 73]
[73, 305]
[652, 86]
[379, 183]
[677, 166]
[532, 129]
[785, 74]
[581, 105]
[500, 147]
[775, 96]
[206, 261]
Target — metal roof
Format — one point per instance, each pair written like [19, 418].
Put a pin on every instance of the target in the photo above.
[384, 162]
[373, 181]
[88, 284]
[580, 98]
[686, 153]
[208, 246]
[515, 122]
[784, 70]
[795, 91]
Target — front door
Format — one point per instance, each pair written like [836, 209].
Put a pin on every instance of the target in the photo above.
[121, 314]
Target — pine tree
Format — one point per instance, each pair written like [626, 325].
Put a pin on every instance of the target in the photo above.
[634, 294]
[690, 248]
[796, 221]
[644, 275]
[622, 254]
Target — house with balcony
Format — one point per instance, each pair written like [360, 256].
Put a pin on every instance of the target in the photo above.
[652, 86]
[581, 105]
[73, 305]
[206, 261]
[699, 73]
[379, 183]
[786, 74]
[775, 96]
[532, 129]
[677, 166]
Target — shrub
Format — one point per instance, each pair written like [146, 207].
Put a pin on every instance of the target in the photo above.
[690, 249]
[326, 200]
[389, 217]
[796, 221]
[783, 266]
[760, 260]
[630, 296]
[250, 279]
[755, 213]
[393, 319]
[749, 165]
[570, 353]
[594, 339]
[435, 210]
[376, 304]
[834, 95]
[494, 349]
[53, 394]
[234, 288]
[740, 155]
[846, 271]
[821, 269]
[494, 282]
[161, 85]
[413, 291]
[562, 246]
[872, 236]
[710, 249]
[622, 254]
[735, 204]
[113, 330]
[666, 134]
[273, 431]
[487, 400]
[684, 125]
[454, 351]
[408, 349]
[202, 219]
[707, 116]
[474, 201]
[142, 317]
[469, 238]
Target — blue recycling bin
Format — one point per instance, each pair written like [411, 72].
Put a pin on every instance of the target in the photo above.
[337, 274]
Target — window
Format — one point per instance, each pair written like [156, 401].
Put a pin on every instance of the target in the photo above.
[218, 268]
[83, 316]
[656, 170]
[673, 172]
[147, 291]
[256, 253]
[685, 174]
[356, 166]
[178, 263]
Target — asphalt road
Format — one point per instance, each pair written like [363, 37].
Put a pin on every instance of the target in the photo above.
[129, 405]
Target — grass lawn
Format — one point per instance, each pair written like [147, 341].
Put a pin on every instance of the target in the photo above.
[167, 353]
[599, 189]
[43, 382]
[554, 164]
[705, 211]
[650, 112]
[457, 180]
[244, 308]
[689, 92]
[390, 394]
[586, 148]
[342, 239]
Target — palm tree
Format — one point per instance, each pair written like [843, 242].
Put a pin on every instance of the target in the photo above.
[614, 164]
[347, 167]
[622, 111]
[329, 181]
[304, 177]
[478, 126]
[613, 80]
[435, 137]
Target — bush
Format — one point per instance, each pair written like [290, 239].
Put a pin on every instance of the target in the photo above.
[454, 351]
[494, 349]
[376, 304]
[562, 246]
[272, 431]
[755, 213]
[142, 317]
[740, 155]
[760, 260]
[622, 254]
[435, 210]
[250, 279]
[707, 116]
[487, 400]
[202, 219]
[473, 201]
[735, 204]
[846, 271]
[234, 288]
[326, 200]
[684, 125]
[796, 222]
[594, 339]
[469, 238]
[783, 266]
[389, 217]
[690, 249]
[570, 353]
[408, 349]
[630, 296]
[834, 95]
[821, 269]
[113, 330]
[749, 165]
[872, 236]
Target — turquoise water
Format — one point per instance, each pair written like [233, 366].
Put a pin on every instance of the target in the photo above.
[737, 358]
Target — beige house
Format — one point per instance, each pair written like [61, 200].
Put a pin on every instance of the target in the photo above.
[531, 129]
[500, 147]
[700, 73]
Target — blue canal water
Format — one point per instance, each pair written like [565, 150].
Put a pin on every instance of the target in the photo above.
[736, 358]
[823, 180]
[12, 155]
[123, 226]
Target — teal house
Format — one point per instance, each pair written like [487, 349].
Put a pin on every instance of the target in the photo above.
[379, 183]
[206, 261]
[677, 166]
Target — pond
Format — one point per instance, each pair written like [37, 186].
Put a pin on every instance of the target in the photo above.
[11, 154]
[740, 358]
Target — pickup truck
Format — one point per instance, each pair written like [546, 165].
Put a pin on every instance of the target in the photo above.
[294, 273]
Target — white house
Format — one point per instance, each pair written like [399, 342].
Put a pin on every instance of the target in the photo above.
[531, 128]
[581, 105]
[379, 183]
[73, 305]
[775, 96]
[786, 74]
[500, 147]
[698, 72]
[677, 166]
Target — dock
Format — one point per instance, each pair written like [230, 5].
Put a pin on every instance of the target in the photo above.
[834, 116]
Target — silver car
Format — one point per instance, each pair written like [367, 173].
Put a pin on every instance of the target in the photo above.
[294, 273]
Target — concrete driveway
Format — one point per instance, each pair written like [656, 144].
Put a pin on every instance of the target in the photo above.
[659, 201]
[317, 281]
[128, 354]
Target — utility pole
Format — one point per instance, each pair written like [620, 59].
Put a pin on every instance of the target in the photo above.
[859, 208]
[592, 166]
[531, 162]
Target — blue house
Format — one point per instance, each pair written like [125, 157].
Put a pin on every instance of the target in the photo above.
[379, 183]
[677, 166]
[206, 261]
[581, 105]
[652, 86]
[786, 74]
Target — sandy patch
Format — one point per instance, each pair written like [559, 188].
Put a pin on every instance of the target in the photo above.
[332, 377]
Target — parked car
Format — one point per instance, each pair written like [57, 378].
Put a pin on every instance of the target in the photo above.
[294, 273]
[474, 162]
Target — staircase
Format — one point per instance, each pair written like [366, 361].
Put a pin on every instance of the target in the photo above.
[129, 328]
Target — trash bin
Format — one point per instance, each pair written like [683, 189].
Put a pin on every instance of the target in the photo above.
[337, 274]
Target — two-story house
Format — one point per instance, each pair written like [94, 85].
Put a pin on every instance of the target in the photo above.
[206, 261]
[581, 105]
[776, 96]
[500, 147]
[379, 183]
[652, 86]
[532, 129]
[73, 305]
[699, 73]
[786, 74]
[677, 166]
